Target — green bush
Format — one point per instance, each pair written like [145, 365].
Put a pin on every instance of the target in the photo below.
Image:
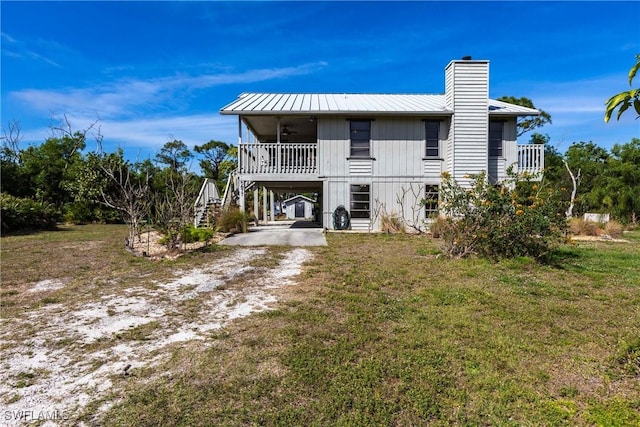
[26, 214]
[517, 218]
[233, 219]
[81, 212]
[192, 234]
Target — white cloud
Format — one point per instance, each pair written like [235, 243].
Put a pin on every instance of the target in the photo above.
[127, 96]
[17, 49]
[145, 137]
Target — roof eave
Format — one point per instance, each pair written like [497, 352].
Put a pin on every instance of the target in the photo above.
[335, 113]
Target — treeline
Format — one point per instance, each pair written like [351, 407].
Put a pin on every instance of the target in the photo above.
[606, 181]
[60, 181]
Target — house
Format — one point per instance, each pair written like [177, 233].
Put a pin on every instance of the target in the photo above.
[299, 207]
[377, 153]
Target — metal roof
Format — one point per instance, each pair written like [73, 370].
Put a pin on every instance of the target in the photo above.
[352, 103]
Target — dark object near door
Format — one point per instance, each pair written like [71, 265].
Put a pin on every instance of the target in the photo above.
[341, 219]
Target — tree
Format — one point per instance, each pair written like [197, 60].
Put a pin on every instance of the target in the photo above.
[592, 162]
[623, 181]
[49, 168]
[11, 170]
[112, 181]
[214, 153]
[624, 100]
[527, 123]
[175, 191]
[174, 154]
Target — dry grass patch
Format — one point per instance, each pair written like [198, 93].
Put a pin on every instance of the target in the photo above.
[380, 331]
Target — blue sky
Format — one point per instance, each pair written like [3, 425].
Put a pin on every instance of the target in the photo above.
[157, 71]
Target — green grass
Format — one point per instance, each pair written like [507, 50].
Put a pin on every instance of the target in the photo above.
[381, 330]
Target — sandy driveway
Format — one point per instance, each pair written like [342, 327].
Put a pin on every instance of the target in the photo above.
[59, 358]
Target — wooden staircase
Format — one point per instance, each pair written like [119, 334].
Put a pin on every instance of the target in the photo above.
[208, 202]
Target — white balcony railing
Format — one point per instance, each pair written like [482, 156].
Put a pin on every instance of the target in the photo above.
[531, 158]
[283, 158]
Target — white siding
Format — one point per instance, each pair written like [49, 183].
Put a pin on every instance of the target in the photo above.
[510, 146]
[433, 168]
[467, 92]
[360, 167]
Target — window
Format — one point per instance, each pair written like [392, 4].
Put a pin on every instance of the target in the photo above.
[360, 138]
[431, 199]
[495, 139]
[360, 201]
[432, 132]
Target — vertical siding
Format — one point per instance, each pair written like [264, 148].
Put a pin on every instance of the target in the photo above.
[467, 88]
[397, 145]
[510, 146]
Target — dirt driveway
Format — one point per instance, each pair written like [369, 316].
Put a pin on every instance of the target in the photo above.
[60, 358]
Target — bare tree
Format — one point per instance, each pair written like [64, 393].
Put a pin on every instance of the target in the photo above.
[174, 207]
[411, 219]
[575, 180]
[64, 130]
[11, 138]
[126, 192]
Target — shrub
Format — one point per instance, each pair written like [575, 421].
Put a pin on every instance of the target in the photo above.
[391, 223]
[518, 218]
[26, 214]
[581, 227]
[437, 226]
[233, 219]
[614, 229]
[192, 234]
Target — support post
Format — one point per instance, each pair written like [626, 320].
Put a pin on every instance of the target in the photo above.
[265, 211]
[272, 206]
[241, 201]
[256, 205]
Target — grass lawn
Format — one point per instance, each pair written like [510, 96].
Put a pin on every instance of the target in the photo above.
[380, 330]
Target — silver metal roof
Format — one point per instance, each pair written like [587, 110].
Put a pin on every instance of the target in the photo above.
[351, 103]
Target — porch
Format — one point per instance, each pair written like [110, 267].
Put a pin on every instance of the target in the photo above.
[298, 158]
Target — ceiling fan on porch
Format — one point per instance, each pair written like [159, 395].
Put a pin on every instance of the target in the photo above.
[286, 131]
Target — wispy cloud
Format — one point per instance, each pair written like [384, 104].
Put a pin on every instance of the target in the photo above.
[126, 96]
[18, 49]
[146, 135]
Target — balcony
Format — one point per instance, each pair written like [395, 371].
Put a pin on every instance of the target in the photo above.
[299, 158]
[531, 158]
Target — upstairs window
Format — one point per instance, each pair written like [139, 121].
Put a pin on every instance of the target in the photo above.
[496, 130]
[360, 138]
[432, 132]
[360, 201]
[431, 200]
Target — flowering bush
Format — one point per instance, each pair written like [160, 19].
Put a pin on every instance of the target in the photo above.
[516, 218]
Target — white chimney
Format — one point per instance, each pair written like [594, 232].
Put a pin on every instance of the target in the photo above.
[467, 95]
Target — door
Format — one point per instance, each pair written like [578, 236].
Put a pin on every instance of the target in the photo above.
[299, 209]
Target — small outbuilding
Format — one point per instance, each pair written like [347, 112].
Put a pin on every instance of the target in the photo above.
[299, 207]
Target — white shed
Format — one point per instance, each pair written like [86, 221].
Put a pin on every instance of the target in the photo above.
[299, 207]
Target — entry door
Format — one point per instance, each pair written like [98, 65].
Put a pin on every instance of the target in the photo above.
[299, 209]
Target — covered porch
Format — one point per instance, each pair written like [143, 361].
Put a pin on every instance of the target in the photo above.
[274, 147]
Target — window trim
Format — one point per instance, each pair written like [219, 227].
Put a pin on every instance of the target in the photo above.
[351, 139]
[438, 148]
[429, 209]
[362, 212]
[499, 149]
